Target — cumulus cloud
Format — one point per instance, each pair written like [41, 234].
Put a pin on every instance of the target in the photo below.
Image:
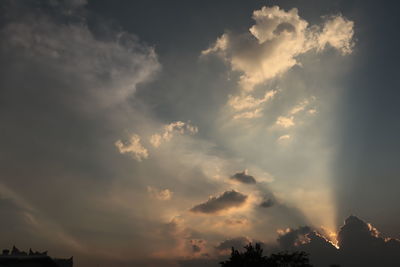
[177, 127]
[160, 194]
[337, 32]
[228, 200]
[270, 48]
[134, 147]
[274, 42]
[243, 177]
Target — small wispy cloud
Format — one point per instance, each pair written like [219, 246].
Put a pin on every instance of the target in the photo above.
[285, 122]
[284, 138]
[134, 147]
[170, 130]
[160, 194]
[242, 102]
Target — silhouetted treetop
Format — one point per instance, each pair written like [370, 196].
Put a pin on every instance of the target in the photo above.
[253, 257]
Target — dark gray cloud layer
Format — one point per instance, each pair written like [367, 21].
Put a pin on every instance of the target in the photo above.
[267, 203]
[238, 243]
[243, 177]
[227, 200]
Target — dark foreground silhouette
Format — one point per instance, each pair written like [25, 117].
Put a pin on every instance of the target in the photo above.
[18, 258]
[253, 257]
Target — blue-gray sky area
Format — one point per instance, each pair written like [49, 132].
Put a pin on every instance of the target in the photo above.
[161, 133]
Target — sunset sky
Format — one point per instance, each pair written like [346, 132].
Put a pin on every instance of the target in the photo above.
[159, 133]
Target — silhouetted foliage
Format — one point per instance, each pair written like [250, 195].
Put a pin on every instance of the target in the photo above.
[253, 257]
[286, 259]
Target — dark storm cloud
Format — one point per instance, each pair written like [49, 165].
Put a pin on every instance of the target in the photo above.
[243, 177]
[360, 244]
[227, 200]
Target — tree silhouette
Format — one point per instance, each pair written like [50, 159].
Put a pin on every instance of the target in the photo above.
[253, 257]
[286, 259]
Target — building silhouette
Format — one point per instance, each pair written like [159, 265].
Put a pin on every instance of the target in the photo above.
[19, 258]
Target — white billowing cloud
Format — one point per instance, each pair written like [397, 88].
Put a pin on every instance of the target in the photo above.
[134, 146]
[337, 32]
[285, 122]
[272, 45]
[177, 127]
[160, 194]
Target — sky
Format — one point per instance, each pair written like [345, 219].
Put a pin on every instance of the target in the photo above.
[148, 133]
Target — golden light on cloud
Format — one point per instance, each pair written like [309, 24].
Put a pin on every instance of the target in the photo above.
[330, 235]
[284, 138]
[285, 122]
[134, 147]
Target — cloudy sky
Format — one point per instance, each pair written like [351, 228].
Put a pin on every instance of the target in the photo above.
[140, 133]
